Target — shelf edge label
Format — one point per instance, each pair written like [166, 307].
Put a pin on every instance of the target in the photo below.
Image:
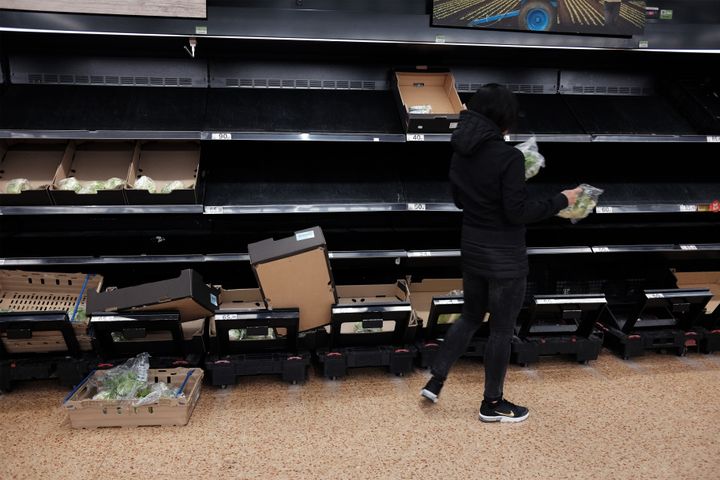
[221, 136]
[415, 137]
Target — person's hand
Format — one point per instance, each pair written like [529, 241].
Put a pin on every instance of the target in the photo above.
[572, 195]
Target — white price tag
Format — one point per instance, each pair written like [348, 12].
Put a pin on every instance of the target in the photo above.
[688, 208]
[306, 235]
[688, 247]
[2, 261]
[655, 295]
[439, 38]
[376, 139]
[644, 44]
[227, 316]
[415, 137]
[713, 138]
[200, 30]
[221, 136]
[417, 207]
[419, 254]
[604, 209]
[214, 210]
[601, 249]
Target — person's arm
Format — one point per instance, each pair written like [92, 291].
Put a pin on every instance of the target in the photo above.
[518, 208]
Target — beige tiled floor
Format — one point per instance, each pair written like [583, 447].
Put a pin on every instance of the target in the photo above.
[655, 417]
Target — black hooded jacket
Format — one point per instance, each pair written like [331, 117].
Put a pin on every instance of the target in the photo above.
[488, 183]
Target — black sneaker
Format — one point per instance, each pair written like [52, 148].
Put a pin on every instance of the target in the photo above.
[432, 389]
[502, 411]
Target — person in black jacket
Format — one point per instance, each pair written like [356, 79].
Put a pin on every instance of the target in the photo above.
[488, 184]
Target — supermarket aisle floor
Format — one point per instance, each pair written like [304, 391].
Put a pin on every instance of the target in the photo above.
[655, 417]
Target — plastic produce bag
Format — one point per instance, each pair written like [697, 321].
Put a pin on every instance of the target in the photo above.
[69, 183]
[154, 392]
[92, 187]
[534, 161]
[238, 334]
[17, 185]
[586, 202]
[420, 109]
[126, 381]
[174, 185]
[145, 183]
[113, 183]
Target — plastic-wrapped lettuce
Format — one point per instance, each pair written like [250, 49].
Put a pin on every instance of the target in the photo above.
[534, 161]
[586, 202]
[17, 185]
[124, 381]
[113, 183]
[69, 183]
[91, 187]
[174, 185]
[145, 183]
[238, 334]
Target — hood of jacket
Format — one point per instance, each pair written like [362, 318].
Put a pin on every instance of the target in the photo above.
[472, 131]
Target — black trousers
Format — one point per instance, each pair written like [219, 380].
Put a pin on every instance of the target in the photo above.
[502, 299]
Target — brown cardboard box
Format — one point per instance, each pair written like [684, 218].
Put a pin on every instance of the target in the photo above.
[709, 280]
[436, 89]
[186, 294]
[84, 412]
[249, 299]
[294, 272]
[30, 292]
[166, 162]
[380, 294]
[35, 161]
[94, 161]
[422, 294]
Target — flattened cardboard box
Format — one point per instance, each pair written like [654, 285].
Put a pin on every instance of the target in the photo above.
[28, 292]
[294, 272]
[186, 294]
[84, 412]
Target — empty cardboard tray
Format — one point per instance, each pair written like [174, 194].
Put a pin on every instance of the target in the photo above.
[709, 280]
[247, 299]
[294, 272]
[422, 294]
[41, 292]
[165, 162]
[186, 294]
[35, 161]
[436, 89]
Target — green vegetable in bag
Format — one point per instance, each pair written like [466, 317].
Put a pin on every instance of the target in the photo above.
[586, 202]
[534, 161]
[145, 183]
[113, 183]
[17, 185]
[174, 185]
[69, 183]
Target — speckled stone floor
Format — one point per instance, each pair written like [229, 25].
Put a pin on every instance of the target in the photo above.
[654, 417]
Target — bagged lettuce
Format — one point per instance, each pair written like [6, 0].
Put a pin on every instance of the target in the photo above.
[69, 183]
[113, 183]
[17, 185]
[534, 161]
[91, 187]
[145, 183]
[586, 202]
[174, 185]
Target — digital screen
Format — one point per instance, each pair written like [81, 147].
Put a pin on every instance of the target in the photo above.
[592, 17]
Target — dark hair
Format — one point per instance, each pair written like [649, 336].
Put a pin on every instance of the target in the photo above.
[497, 103]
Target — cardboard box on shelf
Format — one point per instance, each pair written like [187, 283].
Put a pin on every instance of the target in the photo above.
[294, 272]
[709, 280]
[187, 294]
[378, 294]
[166, 162]
[94, 162]
[422, 294]
[35, 161]
[84, 412]
[43, 292]
[436, 90]
[245, 299]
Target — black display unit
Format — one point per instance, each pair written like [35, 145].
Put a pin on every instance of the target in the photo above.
[242, 346]
[69, 366]
[119, 336]
[659, 319]
[366, 344]
[560, 325]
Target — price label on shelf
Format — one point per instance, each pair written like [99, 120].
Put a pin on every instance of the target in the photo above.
[419, 254]
[604, 209]
[2, 261]
[221, 136]
[601, 249]
[417, 207]
[214, 210]
[415, 137]
[655, 295]
[688, 247]
[688, 208]
[713, 139]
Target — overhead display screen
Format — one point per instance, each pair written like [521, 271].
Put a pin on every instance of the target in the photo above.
[591, 17]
